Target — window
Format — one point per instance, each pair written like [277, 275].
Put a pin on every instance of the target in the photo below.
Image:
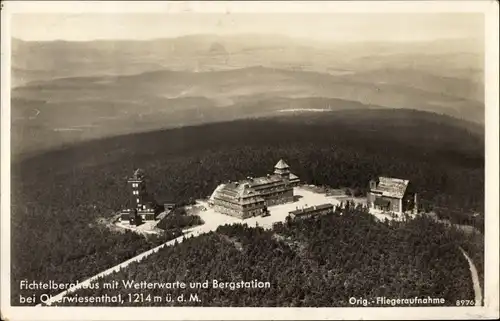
[137, 201]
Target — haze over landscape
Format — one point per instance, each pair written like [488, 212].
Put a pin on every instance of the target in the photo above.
[72, 83]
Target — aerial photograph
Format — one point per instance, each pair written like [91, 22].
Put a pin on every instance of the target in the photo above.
[247, 159]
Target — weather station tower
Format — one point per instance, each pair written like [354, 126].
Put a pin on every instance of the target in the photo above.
[137, 186]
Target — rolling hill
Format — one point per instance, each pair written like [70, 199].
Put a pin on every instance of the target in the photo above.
[462, 58]
[66, 92]
[80, 108]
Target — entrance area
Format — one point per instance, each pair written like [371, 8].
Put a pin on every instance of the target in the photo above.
[382, 204]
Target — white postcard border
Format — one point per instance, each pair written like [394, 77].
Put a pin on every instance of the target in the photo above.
[491, 283]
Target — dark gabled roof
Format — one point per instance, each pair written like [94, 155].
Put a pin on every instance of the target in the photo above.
[311, 209]
[235, 192]
[265, 180]
[391, 187]
[138, 174]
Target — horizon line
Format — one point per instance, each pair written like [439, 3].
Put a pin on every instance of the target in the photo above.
[263, 35]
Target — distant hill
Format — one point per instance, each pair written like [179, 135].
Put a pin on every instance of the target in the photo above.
[161, 99]
[462, 58]
[39, 125]
[66, 92]
[217, 48]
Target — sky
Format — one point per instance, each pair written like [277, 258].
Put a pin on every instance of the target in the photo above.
[314, 26]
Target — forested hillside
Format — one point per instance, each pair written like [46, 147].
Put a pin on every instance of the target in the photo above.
[59, 197]
[178, 219]
[315, 262]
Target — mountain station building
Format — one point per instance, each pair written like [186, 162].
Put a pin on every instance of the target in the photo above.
[311, 211]
[251, 197]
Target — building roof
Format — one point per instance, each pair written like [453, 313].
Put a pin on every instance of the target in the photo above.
[138, 174]
[391, 187]
[216, 192]
[264, 180]
[307, 210]
[235, 192]
[281, 165]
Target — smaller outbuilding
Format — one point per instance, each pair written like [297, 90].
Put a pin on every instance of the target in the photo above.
[130, 216]
[389, 194]
[311, 211]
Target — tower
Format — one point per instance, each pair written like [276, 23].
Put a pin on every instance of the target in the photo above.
[137, 185]
[282, 169]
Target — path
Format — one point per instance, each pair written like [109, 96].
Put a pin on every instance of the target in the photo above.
[120, 266]
[212, 221]
[475, 279]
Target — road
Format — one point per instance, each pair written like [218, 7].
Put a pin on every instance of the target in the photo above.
[118, 267]
[212, 221]
[475, 279]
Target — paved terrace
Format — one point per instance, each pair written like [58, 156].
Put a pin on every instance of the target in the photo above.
[278, 212]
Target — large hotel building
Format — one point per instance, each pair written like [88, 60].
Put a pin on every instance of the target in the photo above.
[252, 196]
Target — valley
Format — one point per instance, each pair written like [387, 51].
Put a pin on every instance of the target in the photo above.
[109, 88]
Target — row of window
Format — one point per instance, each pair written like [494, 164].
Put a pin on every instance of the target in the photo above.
[257, 212]
[277, 188]
[270, 194]
[228, 204]
[238, 206]
[253, 205]
[226, 210]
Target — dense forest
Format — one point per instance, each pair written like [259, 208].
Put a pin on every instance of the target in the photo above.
[320, 261]
[59, 197]
[178, 219]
